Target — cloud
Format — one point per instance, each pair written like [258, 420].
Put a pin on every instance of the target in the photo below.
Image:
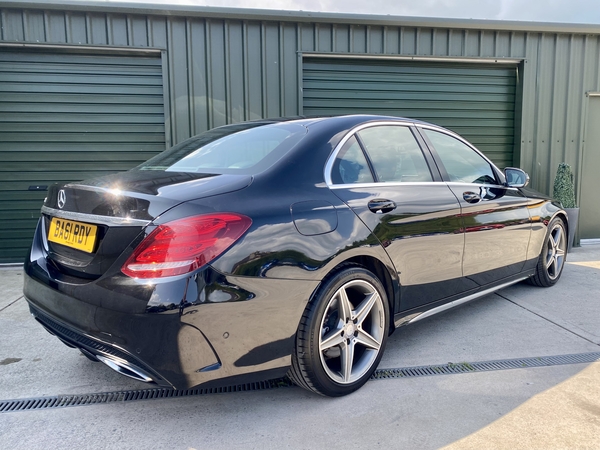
[571, 11]
[576, 11]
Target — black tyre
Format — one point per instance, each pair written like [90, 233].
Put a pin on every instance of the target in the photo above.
[342, 334]
[553, 256]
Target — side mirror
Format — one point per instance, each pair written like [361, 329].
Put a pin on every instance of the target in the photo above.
[516, 178]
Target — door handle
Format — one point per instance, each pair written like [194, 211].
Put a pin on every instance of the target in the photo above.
[380, 206]
[471, 197]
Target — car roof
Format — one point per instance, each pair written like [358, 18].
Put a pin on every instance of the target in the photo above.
[352, 119]
[349, 120]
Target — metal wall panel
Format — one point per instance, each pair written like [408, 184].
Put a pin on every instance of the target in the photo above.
[66, 117]
[223, 70]
[589, 220]
[475, 100]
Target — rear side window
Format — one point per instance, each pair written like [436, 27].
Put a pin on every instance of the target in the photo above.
[244, 148]
[395, 154]
[462, 163]
[350, 165]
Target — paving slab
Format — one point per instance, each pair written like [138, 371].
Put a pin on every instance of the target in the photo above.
[563, 417]
[547, 407]
[498, 326]
[486, 329]
[423, 413]
[35, 363]
[11, 285]
[574, 302]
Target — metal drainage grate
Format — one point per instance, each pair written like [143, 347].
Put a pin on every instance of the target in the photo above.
[62, 401]
[486, 366]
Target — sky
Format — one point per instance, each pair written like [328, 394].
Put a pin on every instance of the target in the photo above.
[562, 11]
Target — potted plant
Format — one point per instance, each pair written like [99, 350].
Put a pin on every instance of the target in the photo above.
[564, 192]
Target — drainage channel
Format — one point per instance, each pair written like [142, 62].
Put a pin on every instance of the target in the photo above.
[63, 401]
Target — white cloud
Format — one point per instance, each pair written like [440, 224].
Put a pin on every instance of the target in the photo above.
[572, 11]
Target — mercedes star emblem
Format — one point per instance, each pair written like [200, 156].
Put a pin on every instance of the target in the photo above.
[62, 198]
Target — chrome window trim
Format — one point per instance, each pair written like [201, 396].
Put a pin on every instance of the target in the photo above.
[405, 123]
[95, 219]
[351, 132]
[385, 184]
[417, 183]
[462, 183]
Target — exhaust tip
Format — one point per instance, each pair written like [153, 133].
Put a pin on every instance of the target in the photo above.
[126, 368]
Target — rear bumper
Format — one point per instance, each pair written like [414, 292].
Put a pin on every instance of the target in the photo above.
[117, 359]
[142, 340]
[205, 329]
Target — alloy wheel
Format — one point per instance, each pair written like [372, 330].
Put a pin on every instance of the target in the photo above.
[352, 332]
[556, 249]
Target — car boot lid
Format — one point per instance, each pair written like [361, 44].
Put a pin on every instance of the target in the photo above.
[139, 195]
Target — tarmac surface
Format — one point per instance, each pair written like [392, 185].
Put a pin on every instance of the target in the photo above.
[552, 407]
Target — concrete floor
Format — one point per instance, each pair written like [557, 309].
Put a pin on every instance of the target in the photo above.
[547, 407]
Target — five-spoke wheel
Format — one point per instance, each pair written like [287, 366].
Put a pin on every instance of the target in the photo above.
[556, 250]
[553, 255]
[352, 331]
[342, 334]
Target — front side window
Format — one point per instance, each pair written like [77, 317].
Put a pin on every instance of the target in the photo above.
[462, 163]
[395, 154]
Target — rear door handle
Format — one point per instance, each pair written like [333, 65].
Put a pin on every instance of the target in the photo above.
[381, 206]
[471, 197]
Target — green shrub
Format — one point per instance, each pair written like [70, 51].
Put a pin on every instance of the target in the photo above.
[564, 187]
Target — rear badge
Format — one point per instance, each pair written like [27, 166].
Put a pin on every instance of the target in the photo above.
[62, 198]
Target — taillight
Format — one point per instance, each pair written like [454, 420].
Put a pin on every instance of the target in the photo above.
[184, 245]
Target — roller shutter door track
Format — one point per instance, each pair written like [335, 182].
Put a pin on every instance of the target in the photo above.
[476, 101]
[67, 117]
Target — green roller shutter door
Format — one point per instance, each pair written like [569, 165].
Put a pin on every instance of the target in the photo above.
[67, 117]
[476, 101]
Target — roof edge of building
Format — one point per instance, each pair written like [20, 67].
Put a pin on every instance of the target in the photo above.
[300, 16]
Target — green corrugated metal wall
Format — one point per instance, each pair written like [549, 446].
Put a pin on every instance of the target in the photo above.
[66, 117]
[229, 69]
[234, 66]
[476, 101]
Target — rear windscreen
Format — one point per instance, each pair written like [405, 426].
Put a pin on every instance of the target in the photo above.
[246, 148]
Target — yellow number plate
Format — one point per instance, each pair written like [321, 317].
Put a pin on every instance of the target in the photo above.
[81, 236]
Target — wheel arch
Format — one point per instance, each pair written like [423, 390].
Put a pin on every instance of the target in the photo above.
[543, 212]
[382, 272]
[563, 215]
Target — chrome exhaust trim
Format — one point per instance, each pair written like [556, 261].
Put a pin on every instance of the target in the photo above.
[126, 368]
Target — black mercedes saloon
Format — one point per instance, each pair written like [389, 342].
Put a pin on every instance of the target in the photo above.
[284, 246]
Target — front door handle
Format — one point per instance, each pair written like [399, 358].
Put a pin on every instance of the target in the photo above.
[381, 206]
[471, 197]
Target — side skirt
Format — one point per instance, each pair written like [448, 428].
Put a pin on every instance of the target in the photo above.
[416, 314]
